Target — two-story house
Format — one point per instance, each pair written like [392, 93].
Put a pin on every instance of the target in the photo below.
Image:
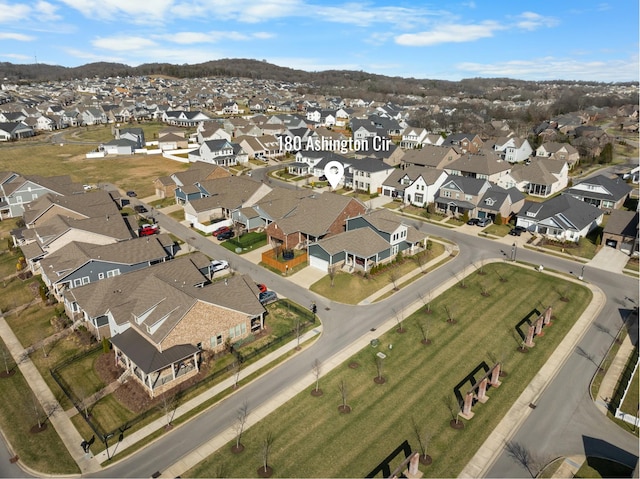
[485, 165]
[513, 149]
[559, 151]
[464, 142]
[431, 156]
[541, 177]
[219, 152]
[460, 194]
[369, 174]
[414, 185]
[602, 192]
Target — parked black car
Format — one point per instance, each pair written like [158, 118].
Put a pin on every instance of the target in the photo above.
[225, 235]
[139, 209]
[517, 231]
[473, 221]
[268, 297]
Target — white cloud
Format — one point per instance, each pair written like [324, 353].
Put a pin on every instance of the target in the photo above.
[378, 38]
[550, 68]
[13, 13]
[532, 21]
[187, 38]
[16, 56]
[449, 34]
[16, 36]
[134, 11]
[123, 43]
[46, 12]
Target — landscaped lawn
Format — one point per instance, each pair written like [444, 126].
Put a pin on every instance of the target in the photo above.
[585, 248]
[81, 376]
[15, 292]
[497, 230]
[313, 439]
[353, 288]
[44, 451]
[33, 324]
[247, 242]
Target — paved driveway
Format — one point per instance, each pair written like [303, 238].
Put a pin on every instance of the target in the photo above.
[609, 259]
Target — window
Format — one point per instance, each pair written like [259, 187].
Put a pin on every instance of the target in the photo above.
[77, 282]
[85, 280]
[112, 273]
[219, 339]
[468, 197]
[446, 194]
[100, 275]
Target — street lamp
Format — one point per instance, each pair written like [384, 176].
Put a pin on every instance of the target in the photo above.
[582, 274]
[514, 251]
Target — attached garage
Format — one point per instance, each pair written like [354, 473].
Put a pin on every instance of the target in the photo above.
[319, 263]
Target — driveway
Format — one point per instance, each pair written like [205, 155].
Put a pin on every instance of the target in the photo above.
[609, 259]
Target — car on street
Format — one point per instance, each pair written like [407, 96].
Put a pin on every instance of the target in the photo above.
[219, 265]
[268, 297]
[139, 209]
[473, 221]
[219, 231]
[261, 287]
[131, 194]
[225, 236]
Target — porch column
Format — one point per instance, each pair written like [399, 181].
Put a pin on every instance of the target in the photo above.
[173, 370]
[195, 361]
[547, 316]
[539, 331]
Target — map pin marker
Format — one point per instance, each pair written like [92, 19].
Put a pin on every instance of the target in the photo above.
[334, 171]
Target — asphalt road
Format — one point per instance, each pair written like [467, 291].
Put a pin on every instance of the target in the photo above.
[558, 426]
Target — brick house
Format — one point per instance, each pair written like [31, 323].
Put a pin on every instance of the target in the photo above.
[312, 218]
[160, 319]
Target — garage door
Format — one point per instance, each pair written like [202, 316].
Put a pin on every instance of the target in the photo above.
[319, 263]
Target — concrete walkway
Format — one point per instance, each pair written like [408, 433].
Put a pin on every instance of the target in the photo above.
[58, 419]
[132, 438]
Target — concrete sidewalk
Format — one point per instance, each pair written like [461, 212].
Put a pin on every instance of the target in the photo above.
[486, 455]
[58, 419]
[229, 383]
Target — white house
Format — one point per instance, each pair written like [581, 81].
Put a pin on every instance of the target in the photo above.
[414, 185]
[514, 150]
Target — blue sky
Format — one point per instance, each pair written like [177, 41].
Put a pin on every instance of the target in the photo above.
[566, 39]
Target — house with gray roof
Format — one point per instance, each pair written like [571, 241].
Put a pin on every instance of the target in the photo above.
[368, 174]
[542, 177]
[485, 164]
[198, 171]
[431, 156]
[497, 200]
[160, 319]
[562, 218]
[78, 263]
[15, 131]
[219, 152]
[371, 239]
[414, 185]
[83, 205]
[602, 192]
[460, 194]
[17, 191]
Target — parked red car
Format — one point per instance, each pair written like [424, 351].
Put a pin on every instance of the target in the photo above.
[261, 287]
[219, 231]
[148, 230]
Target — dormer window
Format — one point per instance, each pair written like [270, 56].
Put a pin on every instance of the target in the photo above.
[490, 201]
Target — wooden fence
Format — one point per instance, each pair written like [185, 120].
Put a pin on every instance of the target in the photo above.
[268, 258]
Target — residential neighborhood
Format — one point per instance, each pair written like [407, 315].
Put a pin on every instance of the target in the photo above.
[242, 251]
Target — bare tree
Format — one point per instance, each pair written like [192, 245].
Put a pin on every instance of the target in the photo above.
[241, 421]
[379, 367]
[237, 368]
[483, 289]
[344, 394]
[332, 271]
[422, 436]
[524, 457]
[267, 444]
[168, 406]
[426, 300]
[394, 276]
[500, 277]
[462, 277]
[453, 405]
[36, 408]
[276, 247]
[399, 315]
[316, 368]
[421, 259]
[450, 318]
[423, 326]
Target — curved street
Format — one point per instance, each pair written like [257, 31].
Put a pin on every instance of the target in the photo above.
[566, 421]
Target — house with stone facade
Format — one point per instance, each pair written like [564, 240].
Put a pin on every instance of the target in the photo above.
[161, 319]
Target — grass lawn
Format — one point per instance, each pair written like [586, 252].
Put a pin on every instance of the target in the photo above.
[247, 242]
[455, 222]
[497, 230]
[81, 376]
[128, 172]
[585, 248]
[33, 324]
[633, 265]
[311, 437]
[43, 451]
[163, 203]
[15, 292]
[177, 215]
[598, 467]
[353, 288]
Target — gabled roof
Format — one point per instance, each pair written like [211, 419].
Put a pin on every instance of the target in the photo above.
[230, 192]
[565, 211]
[73, 255]
[429, 175]
[431, 156]
[623, 223]
[484, 163]
[540, 171]
[496, 196]
[370, 165]
[111, 226]
[363, 242]
[616, 188]
[466, 184]
[90, 204]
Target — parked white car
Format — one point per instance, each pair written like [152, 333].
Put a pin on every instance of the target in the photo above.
[218, 265]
